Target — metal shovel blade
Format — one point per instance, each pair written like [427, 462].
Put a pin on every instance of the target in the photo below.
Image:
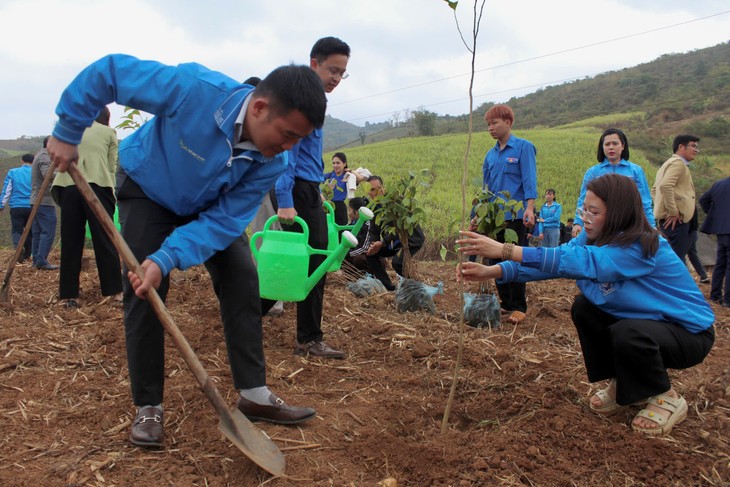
[256, 446]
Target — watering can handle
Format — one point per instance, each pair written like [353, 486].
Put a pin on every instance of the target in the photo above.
[328, 207]
[258, 235]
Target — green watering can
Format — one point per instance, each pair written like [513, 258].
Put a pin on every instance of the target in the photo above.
[283, 261]
[333, 229]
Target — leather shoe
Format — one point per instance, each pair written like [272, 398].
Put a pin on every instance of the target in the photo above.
[278, 412]
[318, 348]
[147, 429]
[47, 267]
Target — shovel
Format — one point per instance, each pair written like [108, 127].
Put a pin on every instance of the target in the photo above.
[26, 231]
[233, 424]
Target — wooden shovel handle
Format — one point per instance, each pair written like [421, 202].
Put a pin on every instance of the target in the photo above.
[158, 306]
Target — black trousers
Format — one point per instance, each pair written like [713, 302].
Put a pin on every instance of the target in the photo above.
[513, 295]
[75, 212]
[377, 267]
[637, 353]
[308, 205]
[145, 225]
[678, 238]
[340, 212]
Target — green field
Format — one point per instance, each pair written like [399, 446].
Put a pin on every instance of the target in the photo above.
[563, 156]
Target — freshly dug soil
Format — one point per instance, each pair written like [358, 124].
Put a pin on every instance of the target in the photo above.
[519, 415]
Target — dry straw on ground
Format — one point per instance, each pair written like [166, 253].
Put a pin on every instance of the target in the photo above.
[519, 418]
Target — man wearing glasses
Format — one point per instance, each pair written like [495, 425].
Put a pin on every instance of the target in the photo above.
[674, 194]
[297, 194]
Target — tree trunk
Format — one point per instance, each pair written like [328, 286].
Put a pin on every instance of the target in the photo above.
[409, 265]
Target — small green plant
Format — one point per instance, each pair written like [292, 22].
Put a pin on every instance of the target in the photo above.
[327, 191]
[491, 211]
[398, 212]
[490, 216]
[131, 120]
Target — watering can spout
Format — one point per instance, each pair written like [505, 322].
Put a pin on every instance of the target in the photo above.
[333, 230]
[333, 258]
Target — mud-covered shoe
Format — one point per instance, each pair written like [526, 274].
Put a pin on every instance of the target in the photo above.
[318, 348]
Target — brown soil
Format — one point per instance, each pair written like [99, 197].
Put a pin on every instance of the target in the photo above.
[519, 416]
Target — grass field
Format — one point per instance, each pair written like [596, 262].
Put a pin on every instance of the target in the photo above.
[563, 156]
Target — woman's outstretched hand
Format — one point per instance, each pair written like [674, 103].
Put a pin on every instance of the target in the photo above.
[473, 272]
[473, 243]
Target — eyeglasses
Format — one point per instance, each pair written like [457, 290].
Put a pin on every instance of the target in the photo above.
[694, 146]
[337, 73]
[586, 215]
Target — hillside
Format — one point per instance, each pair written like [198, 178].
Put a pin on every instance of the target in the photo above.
[652, 102]
[687, 92]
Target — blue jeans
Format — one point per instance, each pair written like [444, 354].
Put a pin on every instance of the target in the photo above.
[44, 231]
[550, 237]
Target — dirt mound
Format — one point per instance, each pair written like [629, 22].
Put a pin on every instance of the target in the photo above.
[519, 415]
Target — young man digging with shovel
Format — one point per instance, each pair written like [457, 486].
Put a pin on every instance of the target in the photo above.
[190, 181]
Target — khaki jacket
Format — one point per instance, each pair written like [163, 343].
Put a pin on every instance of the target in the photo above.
[673, 191]
[98, 152]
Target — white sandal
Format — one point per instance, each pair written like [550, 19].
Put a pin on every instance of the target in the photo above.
[608, 403]
[676, 406]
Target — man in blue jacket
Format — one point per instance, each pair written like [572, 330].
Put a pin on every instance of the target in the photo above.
[297, 194]
[716, 202]
[190, 180]
[16, 194]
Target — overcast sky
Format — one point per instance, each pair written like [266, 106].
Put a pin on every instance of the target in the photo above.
[406, 54]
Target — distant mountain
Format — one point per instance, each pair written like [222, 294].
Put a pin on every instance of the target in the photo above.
[338, 133]
[675, 93]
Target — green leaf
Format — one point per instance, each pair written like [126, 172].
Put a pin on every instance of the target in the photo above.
[443, 252]
[510, 236]
[452, 4]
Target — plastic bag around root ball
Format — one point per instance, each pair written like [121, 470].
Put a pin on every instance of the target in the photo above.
[481, 310]
[366, 286]
[412, 295]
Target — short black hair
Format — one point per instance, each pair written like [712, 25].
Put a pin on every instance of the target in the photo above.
[683, 140]
[294, 88]
[252, 80]
[356, 203]
[27, 158]
[375, 178]
[45, 141]
[327, 46]
[104, 116]
[601, 155]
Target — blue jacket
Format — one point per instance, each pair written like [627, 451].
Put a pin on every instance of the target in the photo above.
[16, 188]
[339, 185]
[623, 168]
[551, 214]
[305, 162]
[512, 169]
[716, 203]
[182, 158]
[620, 281]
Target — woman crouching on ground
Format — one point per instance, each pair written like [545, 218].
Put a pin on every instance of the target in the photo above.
[640, 312]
